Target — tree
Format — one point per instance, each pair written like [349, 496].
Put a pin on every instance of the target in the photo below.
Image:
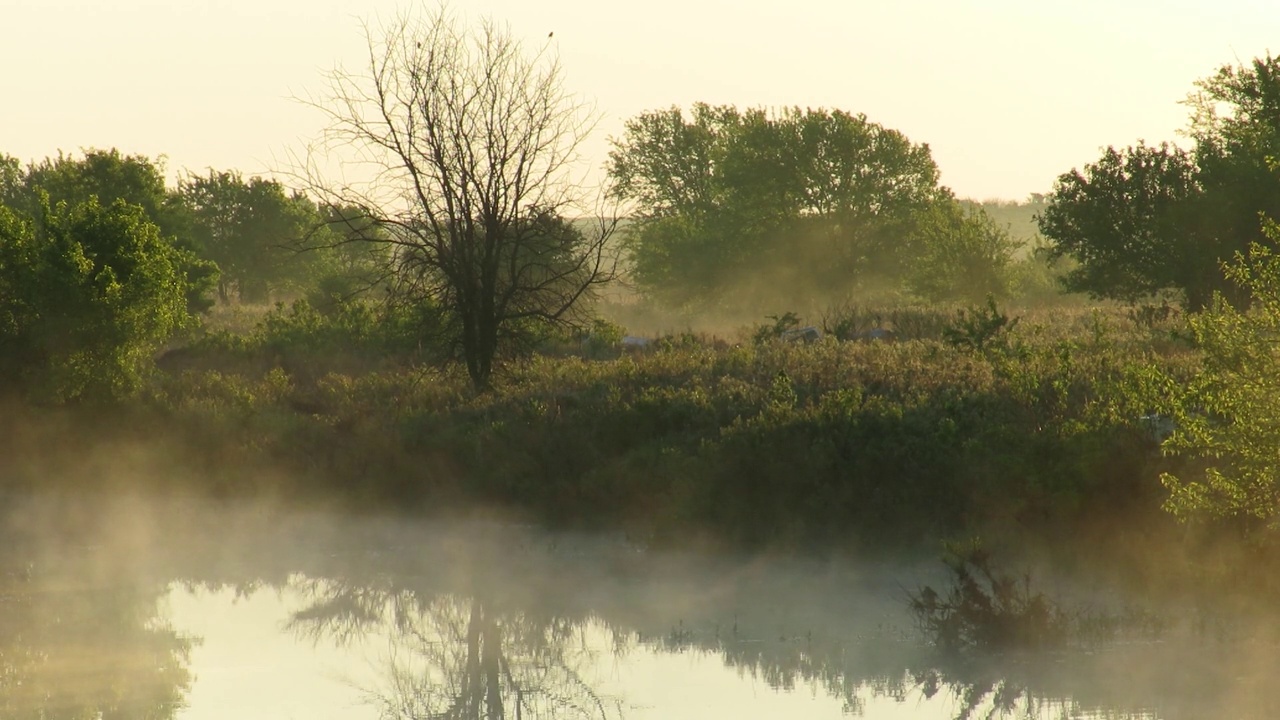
[961, 255]
[1132, 222]
[820, 196]
[471, 143]
[87, 294]
[354, 258]
[1229, 416]
[249, 228]
[109, 176]
[1149, 219]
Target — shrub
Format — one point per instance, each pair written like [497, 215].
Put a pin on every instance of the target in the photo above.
[87, 294]
[977, 328]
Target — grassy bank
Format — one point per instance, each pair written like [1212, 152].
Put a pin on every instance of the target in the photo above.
[1028, 431]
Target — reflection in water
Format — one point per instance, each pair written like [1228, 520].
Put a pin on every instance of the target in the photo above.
[488, 622]
[78, 641]
[460, 659]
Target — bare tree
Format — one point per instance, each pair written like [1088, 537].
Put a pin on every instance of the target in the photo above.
[465, 147]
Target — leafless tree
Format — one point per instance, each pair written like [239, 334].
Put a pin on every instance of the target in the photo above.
[464, 148]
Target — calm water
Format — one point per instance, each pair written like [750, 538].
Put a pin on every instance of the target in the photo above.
[131, 609]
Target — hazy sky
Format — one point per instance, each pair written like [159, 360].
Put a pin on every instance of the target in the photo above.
[1007, 94]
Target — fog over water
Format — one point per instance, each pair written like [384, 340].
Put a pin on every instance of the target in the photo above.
[185, 609]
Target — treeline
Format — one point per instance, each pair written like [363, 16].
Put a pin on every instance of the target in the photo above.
[797, 208]
[102, 264]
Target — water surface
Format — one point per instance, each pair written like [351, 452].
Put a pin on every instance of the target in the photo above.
[183, 609]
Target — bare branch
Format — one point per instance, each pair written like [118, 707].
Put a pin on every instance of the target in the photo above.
[464, 149]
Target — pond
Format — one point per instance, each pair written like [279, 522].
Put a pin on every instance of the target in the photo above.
[132, 608]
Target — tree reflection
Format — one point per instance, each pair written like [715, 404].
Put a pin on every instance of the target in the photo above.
[1174, 680]
[459, 658]
[79, 642]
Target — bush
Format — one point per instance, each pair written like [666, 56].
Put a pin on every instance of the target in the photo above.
[977, 328]
[87, 295]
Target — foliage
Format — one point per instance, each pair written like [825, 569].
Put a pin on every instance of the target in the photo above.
[1230, 415]
[473, 139]
[110, 176]
[355, 335]
[962, 255]
[107, 175]
[796, 202]
[1130, 221]
[978, 328]
[251, 228]
[1147, 219]
[770, 332]
[773, 444]
[87, 294]
[603, 339]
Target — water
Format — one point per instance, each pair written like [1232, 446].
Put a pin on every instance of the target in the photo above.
[144, 609]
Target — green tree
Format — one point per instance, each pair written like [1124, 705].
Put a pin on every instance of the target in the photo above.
[961, 255]
[87, 295]
[11, 180]
[1131, 222]
[1148, 219]
[109, 176]
[719, 194]
[1230, 416]
[354, 257]
[252, 229]
[474, 142]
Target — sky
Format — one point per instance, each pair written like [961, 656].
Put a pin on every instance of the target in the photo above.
[1008, 95]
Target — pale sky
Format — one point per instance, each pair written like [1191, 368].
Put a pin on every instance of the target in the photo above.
[1007, 94]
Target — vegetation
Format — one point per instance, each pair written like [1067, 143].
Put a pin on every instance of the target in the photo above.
[1229, 416]
[796, 208]
[251, 228]
[87, 295]
[1149, 219]
[472, 139]
[110, 176]
[775, 443]
[896, 425]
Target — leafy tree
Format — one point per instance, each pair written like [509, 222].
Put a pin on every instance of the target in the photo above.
[1148, 219]
[11, 180]
[961, 255]
[722, 193]
[109, 176]
[1230, 415]
[352, 257]
[473, 141]
[87, 294]
[1131, 222]
[251, 228]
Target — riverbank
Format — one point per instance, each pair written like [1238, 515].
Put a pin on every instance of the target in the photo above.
[1030, 434]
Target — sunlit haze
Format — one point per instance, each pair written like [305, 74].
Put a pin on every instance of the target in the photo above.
[1007, 94]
